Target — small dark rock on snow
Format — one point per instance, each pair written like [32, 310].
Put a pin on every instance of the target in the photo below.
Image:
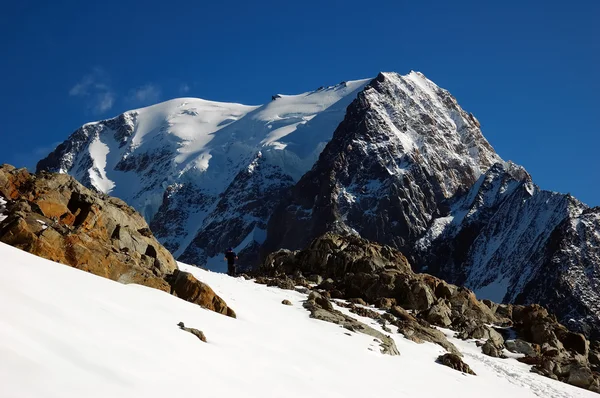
[195, 332]
[453, 361]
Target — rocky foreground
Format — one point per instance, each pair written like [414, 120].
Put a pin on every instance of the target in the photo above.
[55, 217]
[366, 273]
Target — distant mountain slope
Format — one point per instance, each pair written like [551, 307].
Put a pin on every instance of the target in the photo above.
[174, 162]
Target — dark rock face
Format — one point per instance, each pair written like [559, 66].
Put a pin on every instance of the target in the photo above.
[387, 170]
[510, 241]
[240, 213]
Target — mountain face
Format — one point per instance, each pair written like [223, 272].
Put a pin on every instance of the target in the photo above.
[409, 168]
[404, 148]
[395, 160]
[205, 175]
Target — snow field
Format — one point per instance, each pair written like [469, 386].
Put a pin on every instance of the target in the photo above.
[66, 333]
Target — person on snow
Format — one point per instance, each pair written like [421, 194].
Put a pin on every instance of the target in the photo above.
[230, 257]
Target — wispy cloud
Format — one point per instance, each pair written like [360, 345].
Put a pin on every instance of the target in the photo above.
[95, 89]
[146, 94]
[184, 88]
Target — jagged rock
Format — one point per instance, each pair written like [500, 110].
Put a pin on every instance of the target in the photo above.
[385, 303]
[365, 312]
[286, 302]
[184, 285]
[195, 332]
[492, 350]
[581, 376]
[439, 314]
[321, 308]
[483, 332]
[453, 361]
[402, 314]
[422, 297]
[522, 347]
[282, 282]
[55, 217]
[358, 300]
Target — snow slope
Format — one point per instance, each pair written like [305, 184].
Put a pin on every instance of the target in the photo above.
[173, 161]
[66, 333]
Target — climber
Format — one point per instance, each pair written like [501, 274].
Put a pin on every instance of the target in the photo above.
[230, 257]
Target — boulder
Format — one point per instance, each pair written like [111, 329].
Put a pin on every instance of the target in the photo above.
[492, 350]
[286, 302]
[455, 362]
[581, 376]
[385, 303]
[439, 314]
[522, 347]
[195, 332]
[184, 285]
[358, 300]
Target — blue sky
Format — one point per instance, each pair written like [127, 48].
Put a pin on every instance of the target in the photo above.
[527, 69]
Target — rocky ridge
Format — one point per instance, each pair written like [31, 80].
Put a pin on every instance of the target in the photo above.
[55, 217]
[370, 274]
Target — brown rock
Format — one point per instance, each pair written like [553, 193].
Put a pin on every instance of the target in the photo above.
[453, 361]
[385, 303]
[402, 314]
[184, 285]
[195, 332]
[581, 376]
[55, 217]
[358, 300]
[286, 302]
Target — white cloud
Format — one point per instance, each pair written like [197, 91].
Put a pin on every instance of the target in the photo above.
[105, 101]
[146, 94]
[95, 88]
[184, 88]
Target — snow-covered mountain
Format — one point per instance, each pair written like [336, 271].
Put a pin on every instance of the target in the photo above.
[409, 168]
[67, 333]
[404, 147]
[205, 175]
[394, 159]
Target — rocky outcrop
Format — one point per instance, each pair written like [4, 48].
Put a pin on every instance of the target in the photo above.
[187, 287]
[366, 273]
[55, 217]
[321, 308]
[356, 268]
